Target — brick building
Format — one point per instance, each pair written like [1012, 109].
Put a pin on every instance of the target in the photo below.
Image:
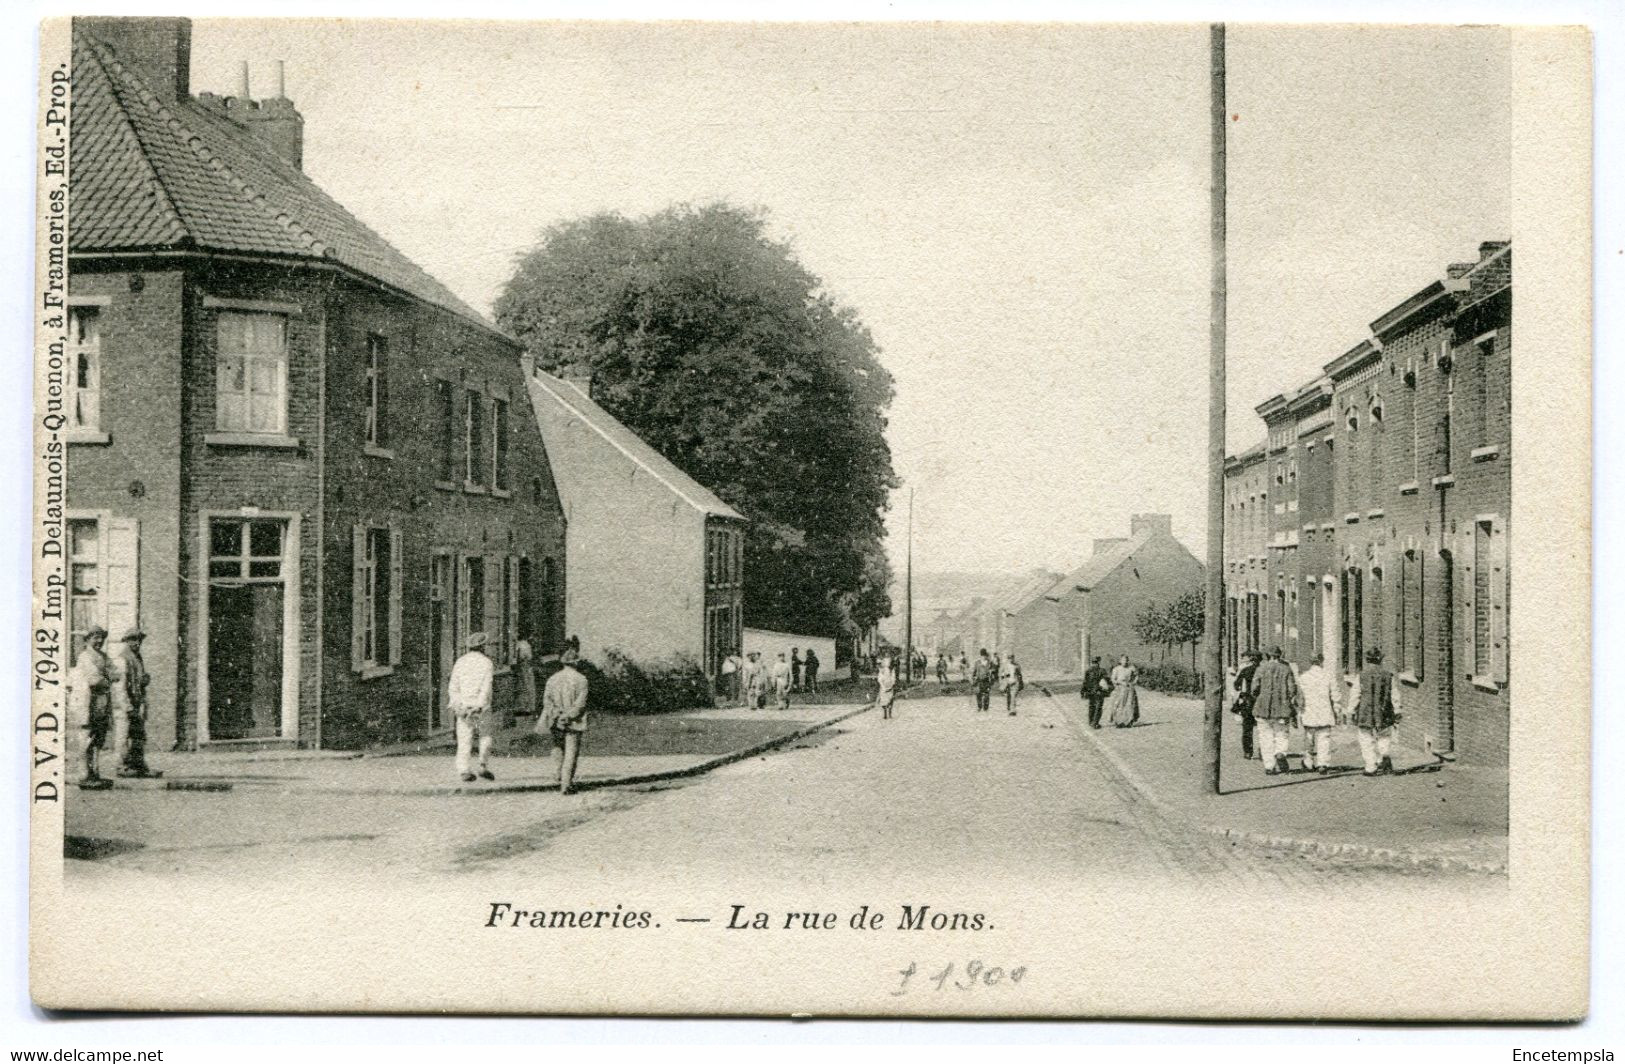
[1397, 462]
[1095, 607]
[658, 558]
[301, 464]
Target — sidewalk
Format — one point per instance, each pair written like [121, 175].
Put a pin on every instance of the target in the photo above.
[1428, 815]
[617, 750]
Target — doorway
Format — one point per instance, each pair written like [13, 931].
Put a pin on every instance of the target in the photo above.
[247, 629]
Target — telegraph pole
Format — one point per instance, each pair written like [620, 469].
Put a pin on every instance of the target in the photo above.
[908, 599]
[1213, 608]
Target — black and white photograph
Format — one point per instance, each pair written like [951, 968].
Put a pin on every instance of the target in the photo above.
[875, 519]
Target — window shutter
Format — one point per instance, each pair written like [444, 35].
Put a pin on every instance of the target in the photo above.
[394, 595]
[1498, 603]
[383, 402]
[358, 595]
[1418, 617]
[120, 580]
[511, 631]
[463, 598]
[493, 606]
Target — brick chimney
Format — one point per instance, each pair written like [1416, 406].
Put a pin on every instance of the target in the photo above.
[1491, 247]
[1459, 269]
[158, 50]
[273, 120]
[1163, 523]
[1104, 545]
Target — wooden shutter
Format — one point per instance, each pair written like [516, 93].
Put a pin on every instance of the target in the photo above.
[510, 634]
[394, 595]
[463, 599]
[358, 596]
[120, 556]
[493, 605]
[1498, 603]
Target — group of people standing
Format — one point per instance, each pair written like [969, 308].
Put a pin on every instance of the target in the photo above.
[1271, 699]
[1120, 687]
[97, 679]
[756, 681]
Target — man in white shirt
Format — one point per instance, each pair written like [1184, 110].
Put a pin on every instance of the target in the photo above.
[783, 678]
[468, 693]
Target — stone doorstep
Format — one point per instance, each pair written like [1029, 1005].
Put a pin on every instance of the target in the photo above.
[1419, 858]
[523, 786]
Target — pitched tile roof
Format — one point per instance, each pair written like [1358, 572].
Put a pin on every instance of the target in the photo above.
[1100, 566]
[1027, 592]
[547, 390]
[151, 174]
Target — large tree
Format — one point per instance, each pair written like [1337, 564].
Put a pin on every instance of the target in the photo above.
[710, 341]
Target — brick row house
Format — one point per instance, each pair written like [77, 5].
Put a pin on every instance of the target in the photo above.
[302, 465]
[1380, 501]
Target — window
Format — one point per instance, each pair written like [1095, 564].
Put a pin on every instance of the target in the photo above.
[245, 551]
[1378, 443]
[84, 582]
[377, 397]
[1483, 353]
[1489, 602]
[85, 357]
[473, 434]
[1408, 638]
[508, 617]
[376, 598]
[252, 374]
[1442, 445]
[445, 397]
[499, 444]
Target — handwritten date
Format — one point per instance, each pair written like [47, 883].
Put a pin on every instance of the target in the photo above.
[970, 976]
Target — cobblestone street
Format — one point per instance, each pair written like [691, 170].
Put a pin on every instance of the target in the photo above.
[939, 789]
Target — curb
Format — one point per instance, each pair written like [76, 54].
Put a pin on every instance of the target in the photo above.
[591, 784]
[1316, 847]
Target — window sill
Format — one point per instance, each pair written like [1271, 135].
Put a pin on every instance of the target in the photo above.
[1484, 683]
[501, 493]
[89, 437]
[445, 485]
[375, 451]
[1486, 454]
[473, 489]
[1351, 519]
[272, 440]
[1328, 526]
[1443, 481]
[1410, 679]
[373, 672]
[1374, 515]
[1410, 487]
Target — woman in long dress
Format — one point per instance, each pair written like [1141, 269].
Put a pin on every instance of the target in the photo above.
[1125, 698]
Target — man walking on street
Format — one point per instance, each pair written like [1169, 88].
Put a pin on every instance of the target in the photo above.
[1242, 707]
[755, 681]
[564, 718]
[982, 679]
[1011, 682]
[942, 670]
[782, 681]
[809, 671]
[136, 679]
[1096, 686]
[1319, 714]
[1374, 714]
[886, 675]
[1276, 701]
[468, 693]
[93, 675]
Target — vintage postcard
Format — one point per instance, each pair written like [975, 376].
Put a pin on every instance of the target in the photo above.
[908, 519]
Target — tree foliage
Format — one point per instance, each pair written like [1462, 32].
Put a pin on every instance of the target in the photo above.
[709, 340]
[1173, 624]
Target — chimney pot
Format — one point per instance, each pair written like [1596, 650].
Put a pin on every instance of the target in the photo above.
[243, 89]
[281, 80]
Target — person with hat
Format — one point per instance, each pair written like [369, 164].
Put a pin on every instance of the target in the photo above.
[783, 681]
[1277, 702]
[564, 716]
[93, 678]
[755, 680]
[136, 679]
[468, 694]
[1375, 712]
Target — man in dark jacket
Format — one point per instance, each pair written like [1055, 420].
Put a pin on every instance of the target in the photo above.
[982, 678]
[1276, 702]
[1375, 711]
[1097, 684]
[1242, 707]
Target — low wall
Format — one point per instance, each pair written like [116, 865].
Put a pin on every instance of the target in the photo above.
[771, 644]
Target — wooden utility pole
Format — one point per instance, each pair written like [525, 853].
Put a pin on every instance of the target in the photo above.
[1213, 610]
[908, 599]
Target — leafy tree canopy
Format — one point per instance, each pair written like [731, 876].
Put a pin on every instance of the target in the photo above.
[709, 340]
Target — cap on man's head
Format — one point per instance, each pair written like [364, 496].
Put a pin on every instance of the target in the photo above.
[476, 640]
[1276, 651]
[96, 630]
[134, 635]
[569, 657]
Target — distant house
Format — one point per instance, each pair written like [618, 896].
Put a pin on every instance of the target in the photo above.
[1095, 606]
[1028, 625]
[293, 455]
[656, 558]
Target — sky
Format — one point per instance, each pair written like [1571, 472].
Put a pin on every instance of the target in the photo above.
[1018, 213]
